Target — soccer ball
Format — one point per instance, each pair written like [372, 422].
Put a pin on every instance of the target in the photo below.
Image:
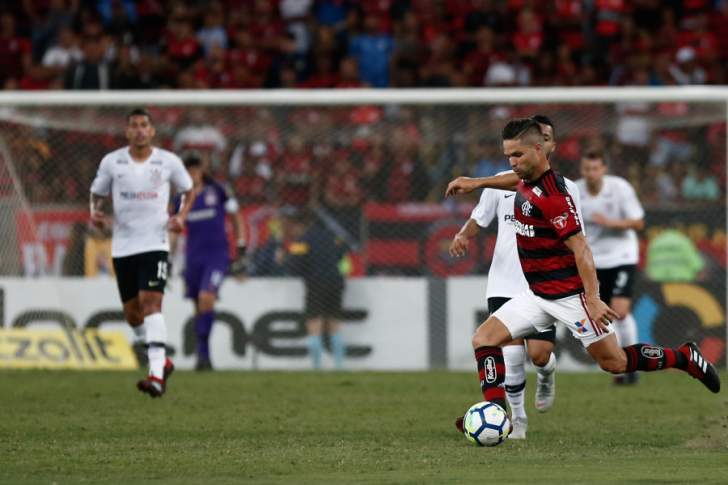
[486, 424]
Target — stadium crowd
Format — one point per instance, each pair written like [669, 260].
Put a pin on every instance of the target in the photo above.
[198, 44]
[342, 156]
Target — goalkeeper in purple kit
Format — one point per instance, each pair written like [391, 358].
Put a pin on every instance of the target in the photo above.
[207, 254]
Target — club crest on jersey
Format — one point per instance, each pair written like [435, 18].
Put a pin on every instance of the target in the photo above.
[490, 373]
[210, 197]
[526, 208]
[156, 175]
[651, 352]
[560, 221]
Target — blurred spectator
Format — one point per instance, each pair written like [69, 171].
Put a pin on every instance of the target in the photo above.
[93, 71]
[372, 50]
[672, 257]
[488, 158]
[700, 185]
[15, 52]
[97, 252]
[212, 34]
[686, 69]
[200, 136]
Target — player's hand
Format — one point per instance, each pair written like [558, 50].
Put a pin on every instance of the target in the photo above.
[98, 219]
[461, 185]
[176, 223]
[600, 220]
[458, 246]
[600, 312]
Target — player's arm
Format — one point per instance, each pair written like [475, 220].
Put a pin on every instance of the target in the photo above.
[464, 185]
[182, 182]
[636, 224]
[239, 266]
[100, 191]
[459, 244]
[96, 210]
[177, 221]
[598, 310]
[634, 214]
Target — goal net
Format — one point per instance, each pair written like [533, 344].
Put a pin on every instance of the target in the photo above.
[368, 170]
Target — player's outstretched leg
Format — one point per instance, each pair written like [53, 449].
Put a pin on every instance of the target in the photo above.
[514, 357]
[626, 330]
[687, 357]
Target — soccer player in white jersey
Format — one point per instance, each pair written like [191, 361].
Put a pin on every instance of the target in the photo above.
[137, 178]
[505, 281]
[612, 214]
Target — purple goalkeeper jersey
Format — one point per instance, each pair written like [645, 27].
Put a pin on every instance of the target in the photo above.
[206, 236]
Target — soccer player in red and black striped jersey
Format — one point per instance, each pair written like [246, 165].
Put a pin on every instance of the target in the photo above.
[560, 271]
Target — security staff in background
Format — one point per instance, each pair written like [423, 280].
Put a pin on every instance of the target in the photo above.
[313, 253]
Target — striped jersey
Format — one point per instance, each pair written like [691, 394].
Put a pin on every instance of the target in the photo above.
[545, 216]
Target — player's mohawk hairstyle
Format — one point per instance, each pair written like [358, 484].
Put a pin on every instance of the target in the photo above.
[520, 127]
[543, 120]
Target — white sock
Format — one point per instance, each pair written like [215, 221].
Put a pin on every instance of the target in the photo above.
[549, 368]
[515, 358]
[156, 336]
[140, 334]
[626, 329]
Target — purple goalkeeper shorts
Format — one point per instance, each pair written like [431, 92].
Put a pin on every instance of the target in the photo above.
[204, 276]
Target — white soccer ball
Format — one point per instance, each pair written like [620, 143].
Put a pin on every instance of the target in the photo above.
[486, 424]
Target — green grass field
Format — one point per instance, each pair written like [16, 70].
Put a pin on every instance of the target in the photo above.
[267, 427]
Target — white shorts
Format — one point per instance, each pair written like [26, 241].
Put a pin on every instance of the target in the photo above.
[526, 312]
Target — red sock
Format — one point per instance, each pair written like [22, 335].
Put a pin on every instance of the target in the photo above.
[649, 358]
[492, 373]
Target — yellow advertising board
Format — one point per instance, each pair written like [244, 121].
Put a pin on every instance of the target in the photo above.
[23, 348]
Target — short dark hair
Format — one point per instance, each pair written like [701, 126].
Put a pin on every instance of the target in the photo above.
[594, 153]
[138, 112]
[544, 120]
[192, 161]
[520, 127]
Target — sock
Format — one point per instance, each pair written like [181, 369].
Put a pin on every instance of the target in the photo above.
[203, 328]
[491, 370]
[338, 348]
[156, 338]
[139, 333]
[315, 348]
[649, 358]
[626, 331]
[549, 368]
[514, 357]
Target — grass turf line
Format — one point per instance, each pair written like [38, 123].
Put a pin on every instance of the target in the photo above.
[274, 427]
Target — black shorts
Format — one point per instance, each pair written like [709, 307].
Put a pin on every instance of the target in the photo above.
[143, 271]
[617, 281]
[548, 335]
[323, 301]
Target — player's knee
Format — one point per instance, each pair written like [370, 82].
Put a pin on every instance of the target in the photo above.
[206, 302]
[540, 359]
[485, 336]
[133, 317]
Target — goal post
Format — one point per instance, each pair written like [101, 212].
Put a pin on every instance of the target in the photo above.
[370, 167]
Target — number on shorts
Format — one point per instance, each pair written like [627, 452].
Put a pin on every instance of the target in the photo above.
[162, 270]
[622, 278]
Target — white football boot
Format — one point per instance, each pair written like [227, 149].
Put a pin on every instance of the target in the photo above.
[545, 391]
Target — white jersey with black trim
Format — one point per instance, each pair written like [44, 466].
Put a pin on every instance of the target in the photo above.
[505, 277]
[616, 200]
[140, 193]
